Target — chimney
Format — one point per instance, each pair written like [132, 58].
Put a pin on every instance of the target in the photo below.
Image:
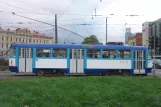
[36, 32]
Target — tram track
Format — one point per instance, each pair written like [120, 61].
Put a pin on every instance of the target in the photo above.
[7, 75]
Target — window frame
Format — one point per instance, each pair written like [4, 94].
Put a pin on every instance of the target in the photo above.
[96, 53]
[43, 56]
[52, 53]
[124, 54]
[13, 56]
[111, 50]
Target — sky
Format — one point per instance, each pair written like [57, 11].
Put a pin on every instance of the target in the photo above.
[71, 14]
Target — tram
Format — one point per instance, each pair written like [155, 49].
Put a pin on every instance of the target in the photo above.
[79, 59]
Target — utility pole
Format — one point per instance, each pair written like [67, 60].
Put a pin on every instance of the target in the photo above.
[95, 11]
[154, 54]
[106, 30]
[56, 32]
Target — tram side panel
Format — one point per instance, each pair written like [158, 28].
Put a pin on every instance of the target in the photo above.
[12, 65]
[52, 60]
[150, 66]
[54, 64]
[103, 65]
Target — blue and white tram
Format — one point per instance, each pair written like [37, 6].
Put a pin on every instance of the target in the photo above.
[79, 59]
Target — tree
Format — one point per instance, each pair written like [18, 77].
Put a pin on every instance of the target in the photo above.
[91, 40]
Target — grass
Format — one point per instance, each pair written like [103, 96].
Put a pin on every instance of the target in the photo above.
[81, 92]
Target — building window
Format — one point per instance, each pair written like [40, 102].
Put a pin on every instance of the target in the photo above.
[19, 39]
[11, 39]
[7, 38]
[7, 45]
[2, 38]
[16, 39]
[29, 40]
[2, 45]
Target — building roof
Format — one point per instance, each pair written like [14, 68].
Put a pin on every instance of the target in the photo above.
[40, 35]
[25, 30]
[78, 46]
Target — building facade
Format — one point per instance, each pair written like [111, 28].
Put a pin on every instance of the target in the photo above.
[146, 33]
[8, 37]
[132, 40]
[152, 36]
[155, 38]
[135, 39]
[127, 34]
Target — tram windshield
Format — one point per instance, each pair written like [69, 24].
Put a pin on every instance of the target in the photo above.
[149, 57]
[12, 52]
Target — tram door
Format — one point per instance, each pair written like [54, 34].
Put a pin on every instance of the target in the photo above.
[25, 59]
[139, 62]
[76, 61]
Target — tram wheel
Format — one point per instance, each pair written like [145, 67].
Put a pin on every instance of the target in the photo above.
[40, 73]
[60, 73]
[107, 74]
[125, 73]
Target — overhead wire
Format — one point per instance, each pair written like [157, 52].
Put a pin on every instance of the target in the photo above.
[19, 7]
[50, 24]
[67, 9]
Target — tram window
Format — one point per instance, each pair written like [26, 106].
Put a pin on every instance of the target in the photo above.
[59, 53]
[12, 52]
[41, 52]
[109, 53]
[124, 54]
[93, 53]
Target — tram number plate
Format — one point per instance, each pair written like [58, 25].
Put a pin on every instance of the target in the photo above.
[123, 61]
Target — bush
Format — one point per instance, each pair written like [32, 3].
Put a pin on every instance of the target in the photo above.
[3, 68]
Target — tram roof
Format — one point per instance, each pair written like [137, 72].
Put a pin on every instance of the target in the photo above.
[77, 46]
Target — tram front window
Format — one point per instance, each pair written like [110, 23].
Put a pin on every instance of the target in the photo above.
[12, 52]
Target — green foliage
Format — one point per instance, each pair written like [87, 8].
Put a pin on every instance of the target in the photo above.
[81, 92]
[3, 68]
[91, 40]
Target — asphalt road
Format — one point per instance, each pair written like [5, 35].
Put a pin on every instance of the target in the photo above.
[10, 75]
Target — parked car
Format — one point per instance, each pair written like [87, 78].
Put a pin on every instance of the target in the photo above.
[157, 63]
